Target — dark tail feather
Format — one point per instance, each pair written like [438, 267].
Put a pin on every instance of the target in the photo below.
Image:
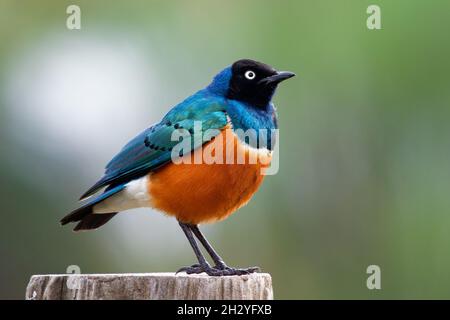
[77, 215]
[94, 221]
[88, 220]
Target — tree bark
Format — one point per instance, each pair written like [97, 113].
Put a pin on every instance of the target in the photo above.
[154, 286]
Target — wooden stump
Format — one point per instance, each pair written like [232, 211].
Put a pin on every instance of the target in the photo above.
[154, 286]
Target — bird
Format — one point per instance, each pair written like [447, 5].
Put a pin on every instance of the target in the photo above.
[154, 171]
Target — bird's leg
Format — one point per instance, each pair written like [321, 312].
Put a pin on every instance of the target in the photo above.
[203, 265]
[219, 263]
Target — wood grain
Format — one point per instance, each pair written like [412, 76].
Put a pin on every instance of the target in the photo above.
[154, 286]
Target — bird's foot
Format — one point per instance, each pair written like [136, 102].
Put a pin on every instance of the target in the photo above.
[236, 271]
[217, 271]
[221, 265]
[190, 269]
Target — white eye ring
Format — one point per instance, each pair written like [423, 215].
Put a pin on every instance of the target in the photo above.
[250, 75]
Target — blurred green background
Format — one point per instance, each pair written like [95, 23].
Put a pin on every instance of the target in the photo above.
[365, 138]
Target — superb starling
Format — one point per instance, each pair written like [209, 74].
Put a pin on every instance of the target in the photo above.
[144, 173]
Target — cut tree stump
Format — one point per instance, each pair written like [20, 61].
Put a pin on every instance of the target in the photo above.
[153, 286]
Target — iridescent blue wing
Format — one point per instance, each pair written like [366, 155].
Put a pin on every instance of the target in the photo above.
[153, 147]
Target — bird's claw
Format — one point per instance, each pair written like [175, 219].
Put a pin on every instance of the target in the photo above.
[218, 271]
[188, 269]
[241, 271]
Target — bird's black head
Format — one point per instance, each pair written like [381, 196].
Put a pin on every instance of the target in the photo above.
[254, 82]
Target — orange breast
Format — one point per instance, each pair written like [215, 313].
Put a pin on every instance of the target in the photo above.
[198, 193]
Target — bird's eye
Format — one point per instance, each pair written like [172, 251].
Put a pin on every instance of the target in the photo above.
[250, 75]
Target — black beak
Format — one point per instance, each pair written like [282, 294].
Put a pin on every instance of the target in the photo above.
[277, 78]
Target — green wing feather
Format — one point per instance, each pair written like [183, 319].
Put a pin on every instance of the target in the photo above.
[153, 147]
